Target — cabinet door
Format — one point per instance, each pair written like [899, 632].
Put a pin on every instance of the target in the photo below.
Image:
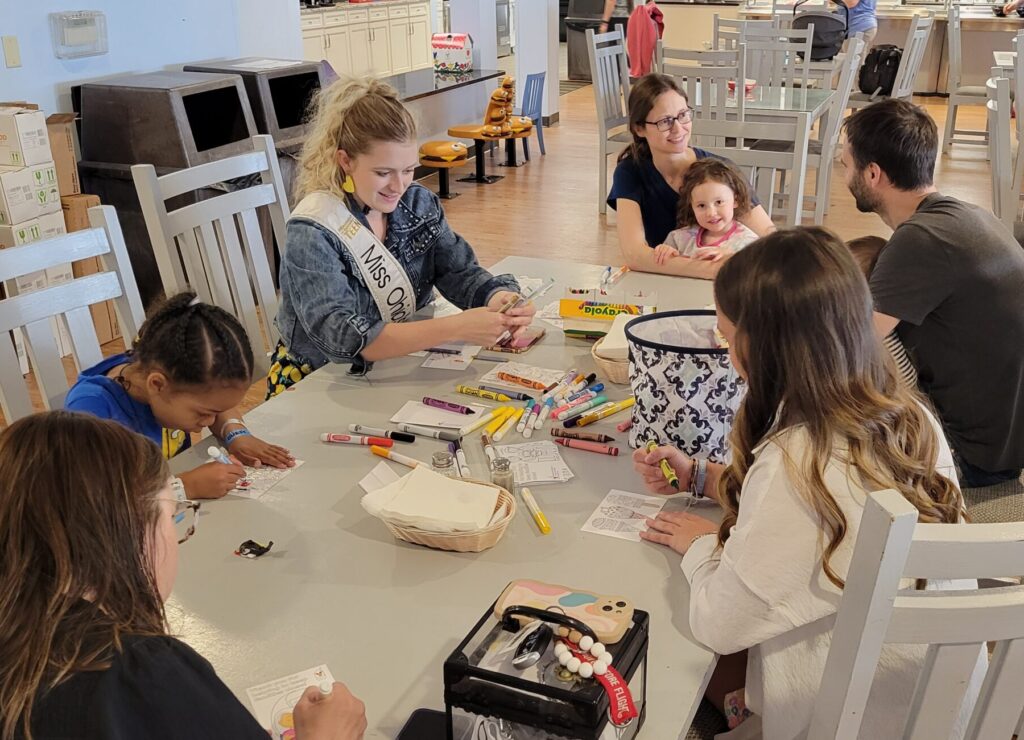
[420, 55]
[380, 48]
[313, 45]
[338, 54]
[399, 43]
[359, 50]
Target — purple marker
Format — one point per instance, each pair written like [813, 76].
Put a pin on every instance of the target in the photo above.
[437, 403]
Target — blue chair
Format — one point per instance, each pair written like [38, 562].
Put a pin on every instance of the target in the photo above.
[533, 97]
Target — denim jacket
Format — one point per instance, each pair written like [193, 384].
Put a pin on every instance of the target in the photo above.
[327, 314]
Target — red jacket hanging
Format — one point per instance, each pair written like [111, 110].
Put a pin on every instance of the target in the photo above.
[646, 26]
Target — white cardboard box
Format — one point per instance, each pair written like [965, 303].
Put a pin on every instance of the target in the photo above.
[23, 137]
[28, 192]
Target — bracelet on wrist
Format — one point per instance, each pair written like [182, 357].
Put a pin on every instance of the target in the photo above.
[235, 434]
[702, 478]
[230, 421]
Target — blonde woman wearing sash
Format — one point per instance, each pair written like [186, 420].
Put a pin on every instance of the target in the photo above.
[366, 247]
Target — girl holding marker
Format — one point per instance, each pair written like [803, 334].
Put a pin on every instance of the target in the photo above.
[188, 369]
[85, 646]
[825, 421]
[366, 247]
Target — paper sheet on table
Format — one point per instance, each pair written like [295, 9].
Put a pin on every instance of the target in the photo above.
[415, 412]
[380, 476]
[536, 462]
[622, 514]
[543, 375]
[432, 502]
[550, 314]
[258, 481]
[445, 361]
[272, 702]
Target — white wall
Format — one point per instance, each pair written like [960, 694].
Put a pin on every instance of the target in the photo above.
[537, 48]
[143, 36]
[479, 20]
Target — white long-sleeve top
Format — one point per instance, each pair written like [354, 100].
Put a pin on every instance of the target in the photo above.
[766, 591]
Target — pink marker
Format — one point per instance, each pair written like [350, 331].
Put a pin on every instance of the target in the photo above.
[355, 439]
[624, 425]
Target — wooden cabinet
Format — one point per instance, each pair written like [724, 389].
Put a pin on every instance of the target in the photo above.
[338, 47]
[388, 39]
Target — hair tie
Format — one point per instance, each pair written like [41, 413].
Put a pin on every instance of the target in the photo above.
[194, 302]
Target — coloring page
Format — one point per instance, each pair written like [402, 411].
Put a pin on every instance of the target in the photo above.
[622, 514]
[258, 481]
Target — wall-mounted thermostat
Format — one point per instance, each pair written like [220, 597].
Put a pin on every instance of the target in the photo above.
[78, 33]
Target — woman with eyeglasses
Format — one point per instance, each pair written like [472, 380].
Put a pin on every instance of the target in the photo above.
[90, 531]
[649, 175]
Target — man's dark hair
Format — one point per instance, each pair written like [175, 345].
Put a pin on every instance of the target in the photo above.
[897, 136]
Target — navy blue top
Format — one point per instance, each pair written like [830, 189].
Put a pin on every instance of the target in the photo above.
[94, 393]
[640, 182]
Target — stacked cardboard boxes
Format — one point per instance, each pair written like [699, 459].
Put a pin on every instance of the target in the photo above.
[76, 218]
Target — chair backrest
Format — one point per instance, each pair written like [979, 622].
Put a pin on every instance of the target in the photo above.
[1018, 79]
[727, 33]
[760, 166]
[68, 303]
[913, 56]
[1004, 197]
[533, 95]
[848, 70]
[779, 57]
[953, 43]
[955, 624]
[705, 77]
[215, 246]
[610, 74]
[784, 10]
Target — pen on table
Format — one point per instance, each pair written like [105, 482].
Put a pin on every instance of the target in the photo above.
[512, 395]
[535, 512]
[580, 444]
[599, 414]
[443, 351]
[666, 469]
[460, 459]
[606, 274]
[216, 453]
[453, 450]
[568, 405]
[582, 408]
[390, 454]
[378, 432]
[544, 412]
[595, 389]
[574, 419]
[482, 392]
[355, 439]
[531, 420]
[446, 434]
[527, 409]
[484, 419]
[613, 278]
[590, 436]
[510, 422]
[498, 420]
[485, 440]
[437, 403]
[562, 383]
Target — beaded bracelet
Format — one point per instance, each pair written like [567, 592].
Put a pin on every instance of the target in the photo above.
[235, 434]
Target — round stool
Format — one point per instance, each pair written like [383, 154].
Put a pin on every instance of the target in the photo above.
[443, 156]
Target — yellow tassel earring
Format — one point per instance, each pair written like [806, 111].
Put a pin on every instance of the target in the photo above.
[348, 184]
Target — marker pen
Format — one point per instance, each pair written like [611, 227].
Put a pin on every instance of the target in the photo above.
[378, 432]
[527, 409]
[531, 420]
[394, 456]
[446, 434]
[354, 439]
[600, 413]
[582, 408]
[460, 458]
[484, 419]
[455, 459]
[510, 422]
[538, 515]
[589, 414]
[485, 440]
[544, 412]
[498, 420]
[216, 453]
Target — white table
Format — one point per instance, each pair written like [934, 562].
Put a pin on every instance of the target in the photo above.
[337, 588]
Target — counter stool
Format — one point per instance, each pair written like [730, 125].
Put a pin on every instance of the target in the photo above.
[480, 136]
[443, 156]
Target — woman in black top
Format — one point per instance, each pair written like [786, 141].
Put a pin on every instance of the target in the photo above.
[89, 535]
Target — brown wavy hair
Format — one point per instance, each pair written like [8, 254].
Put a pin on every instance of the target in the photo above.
[642, 97]
[804, 333]
[77, 499]
[711, 169]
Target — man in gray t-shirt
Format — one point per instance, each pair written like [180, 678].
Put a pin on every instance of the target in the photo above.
[951, 282]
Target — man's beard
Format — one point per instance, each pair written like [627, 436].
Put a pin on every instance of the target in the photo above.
[863, 198]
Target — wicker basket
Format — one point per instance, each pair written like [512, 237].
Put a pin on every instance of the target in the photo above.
[617, 371]
[475, 541]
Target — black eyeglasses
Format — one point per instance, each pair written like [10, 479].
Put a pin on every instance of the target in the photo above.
[665, 124]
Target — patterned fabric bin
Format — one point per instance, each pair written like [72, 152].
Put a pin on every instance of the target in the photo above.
[687, 391]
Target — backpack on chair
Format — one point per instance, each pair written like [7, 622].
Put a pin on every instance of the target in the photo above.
[878, 73]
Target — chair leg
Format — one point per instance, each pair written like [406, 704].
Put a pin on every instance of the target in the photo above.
[540, 135]
[444, 185]
[526, 148]
[947, 137]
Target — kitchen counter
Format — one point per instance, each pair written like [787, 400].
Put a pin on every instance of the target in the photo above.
[373, 4]
[423, 83]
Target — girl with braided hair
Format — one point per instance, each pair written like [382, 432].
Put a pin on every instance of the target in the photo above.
[188, 369]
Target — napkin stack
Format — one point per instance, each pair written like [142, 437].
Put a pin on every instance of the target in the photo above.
[431, 502]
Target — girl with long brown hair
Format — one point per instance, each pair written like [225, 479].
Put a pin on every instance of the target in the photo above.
[89, 535]
[824, 422]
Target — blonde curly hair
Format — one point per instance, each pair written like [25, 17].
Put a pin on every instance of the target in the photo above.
[352, 115]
